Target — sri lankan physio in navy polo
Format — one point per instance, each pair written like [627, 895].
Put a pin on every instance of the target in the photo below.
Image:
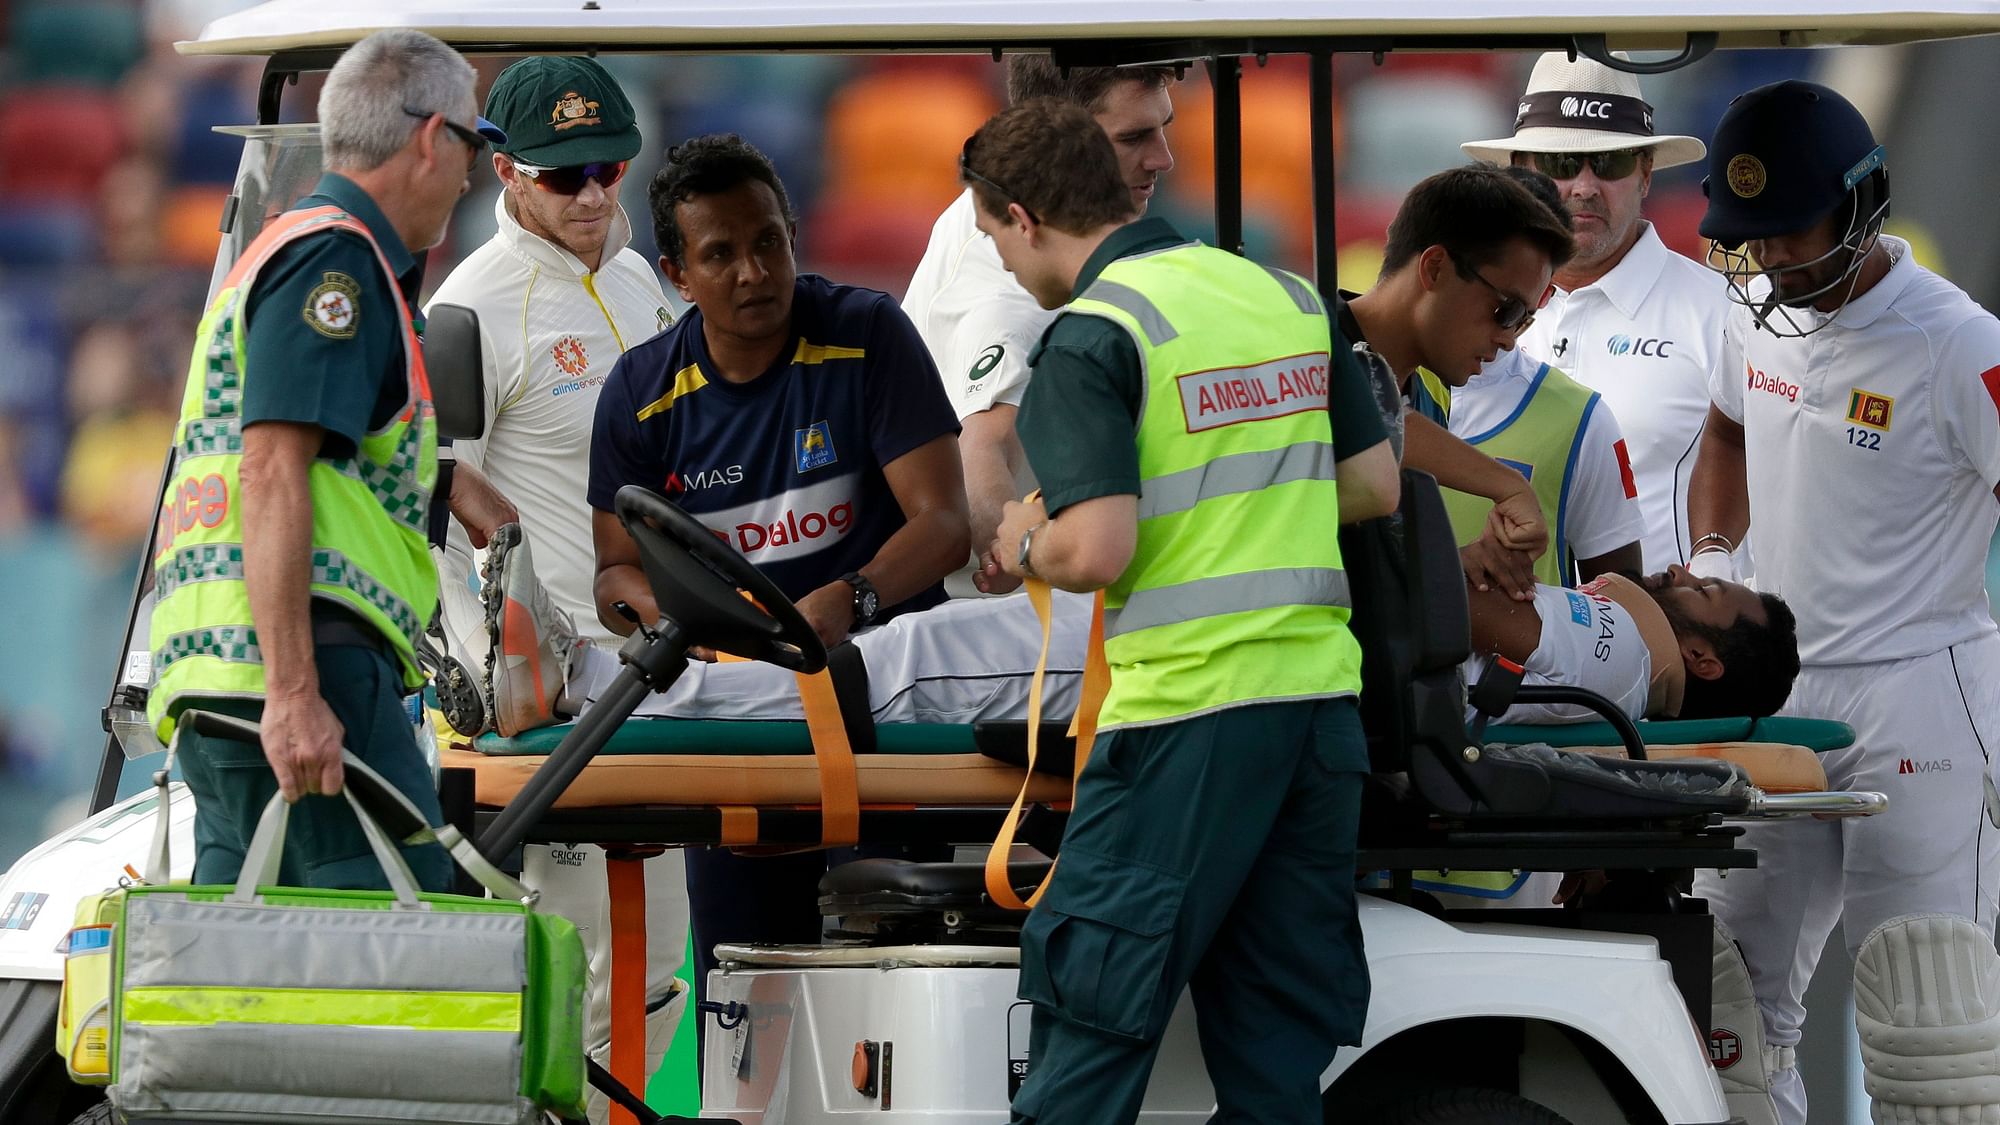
[787, 467]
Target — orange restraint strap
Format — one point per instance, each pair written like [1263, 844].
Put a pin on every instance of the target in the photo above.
[1083, 727]
[839, 787]
[626, 874]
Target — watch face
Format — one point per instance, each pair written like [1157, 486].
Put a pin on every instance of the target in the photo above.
[869, 603]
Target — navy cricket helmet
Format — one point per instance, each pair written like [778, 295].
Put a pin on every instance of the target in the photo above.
[1785, 157]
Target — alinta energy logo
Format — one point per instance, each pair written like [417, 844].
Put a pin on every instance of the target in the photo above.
[1649, 346]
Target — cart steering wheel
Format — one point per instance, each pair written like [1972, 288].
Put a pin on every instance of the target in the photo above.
[707, 588]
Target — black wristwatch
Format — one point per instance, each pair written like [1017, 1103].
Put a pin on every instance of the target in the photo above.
[867, 603]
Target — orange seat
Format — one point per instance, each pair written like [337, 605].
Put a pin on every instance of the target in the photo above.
[893, 135]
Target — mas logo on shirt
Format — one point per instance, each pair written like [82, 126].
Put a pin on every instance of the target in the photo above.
[570, 356]
[333, 308]
[986, 362]
[812, 447]
[1865, 408]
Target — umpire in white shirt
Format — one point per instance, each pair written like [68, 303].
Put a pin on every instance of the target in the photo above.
[1630, 319]
[559, 296]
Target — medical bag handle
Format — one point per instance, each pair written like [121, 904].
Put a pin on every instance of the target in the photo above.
[371, 794]
[1083, 727]
[267, 846]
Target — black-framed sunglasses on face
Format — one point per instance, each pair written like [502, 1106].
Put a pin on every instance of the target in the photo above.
[1614, 165]
[570, 180]
[966, 171]
[472, 140]
[1512, 314]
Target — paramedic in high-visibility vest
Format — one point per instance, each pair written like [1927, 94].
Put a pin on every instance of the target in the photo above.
[1198, 430]
[292, 566]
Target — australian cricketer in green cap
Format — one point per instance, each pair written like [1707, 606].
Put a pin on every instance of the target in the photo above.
[571, 138]
[561, 111]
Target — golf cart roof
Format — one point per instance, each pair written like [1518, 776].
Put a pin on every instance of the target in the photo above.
[889, 25]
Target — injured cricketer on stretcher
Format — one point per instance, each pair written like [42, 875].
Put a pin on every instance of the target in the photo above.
[1662, 646]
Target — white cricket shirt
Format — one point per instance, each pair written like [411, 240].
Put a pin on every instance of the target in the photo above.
[549, 332]
[1645, 336]
[1871, 449]
[977, 321]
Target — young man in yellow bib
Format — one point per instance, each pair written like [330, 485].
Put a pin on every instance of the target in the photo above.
[1178, 421]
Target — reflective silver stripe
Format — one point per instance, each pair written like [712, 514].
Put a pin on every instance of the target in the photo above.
[202, 437]
[205, 563]
[1229, 593]
[1237, 472]
[234, 644]
[1128, 300]
[332, 568]
[1301, 294]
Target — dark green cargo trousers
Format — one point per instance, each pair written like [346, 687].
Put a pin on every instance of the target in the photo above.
[324, 847]
[1214, 853]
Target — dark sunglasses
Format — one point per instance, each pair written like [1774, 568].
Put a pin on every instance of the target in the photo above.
[1512, 314]
[472, 140]
[1615, 165]
[965, 172]
[570, 180]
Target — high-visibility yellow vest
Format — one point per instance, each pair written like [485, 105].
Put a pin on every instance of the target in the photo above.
[1235, 593]
[370, 553]
[1542, 440]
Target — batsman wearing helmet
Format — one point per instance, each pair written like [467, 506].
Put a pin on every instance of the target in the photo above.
[1855, 422]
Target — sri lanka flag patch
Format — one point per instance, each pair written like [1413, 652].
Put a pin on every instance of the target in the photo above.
[1865, 408]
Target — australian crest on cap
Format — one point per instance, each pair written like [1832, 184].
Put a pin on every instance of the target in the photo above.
[573, 109]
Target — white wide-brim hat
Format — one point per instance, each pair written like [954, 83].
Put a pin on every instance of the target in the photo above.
[1584, 106]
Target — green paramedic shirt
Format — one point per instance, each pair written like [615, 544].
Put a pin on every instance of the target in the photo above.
[323, 332]
[1078, 419]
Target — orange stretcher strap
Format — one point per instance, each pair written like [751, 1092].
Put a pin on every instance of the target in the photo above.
[626, 876]
[839, 789]
[739, 825]
[1096, 682]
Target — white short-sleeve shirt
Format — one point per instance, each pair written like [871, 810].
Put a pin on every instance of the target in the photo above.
[1871, 449]
[1645, 336]
[977, 321]
[549, 332]
[1601, 510]
[1587, 641]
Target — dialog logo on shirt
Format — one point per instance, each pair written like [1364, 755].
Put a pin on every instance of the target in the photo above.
[1272, 389]
[812, 447]
[789, 525]
[1865, 408]
[1763, 381]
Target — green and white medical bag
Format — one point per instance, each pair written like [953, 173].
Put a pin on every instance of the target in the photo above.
[258, 1003]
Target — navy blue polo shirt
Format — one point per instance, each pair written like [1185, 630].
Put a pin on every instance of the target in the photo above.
[788, 466]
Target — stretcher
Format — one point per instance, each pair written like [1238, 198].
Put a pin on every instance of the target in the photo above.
[1440, 798]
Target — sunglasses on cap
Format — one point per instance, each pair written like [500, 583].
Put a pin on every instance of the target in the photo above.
[965, 172]
[472, 140]
[1614, 165]
[570, 180]
[1512, 314]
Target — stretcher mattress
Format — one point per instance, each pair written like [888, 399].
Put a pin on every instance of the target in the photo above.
[780, 779]
[771, 764]
[1817, 735]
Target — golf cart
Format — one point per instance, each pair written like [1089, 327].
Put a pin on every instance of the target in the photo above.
[1567, 1015]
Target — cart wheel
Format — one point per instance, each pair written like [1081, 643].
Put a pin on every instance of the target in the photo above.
[1466, 1107]
[99, 1114]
